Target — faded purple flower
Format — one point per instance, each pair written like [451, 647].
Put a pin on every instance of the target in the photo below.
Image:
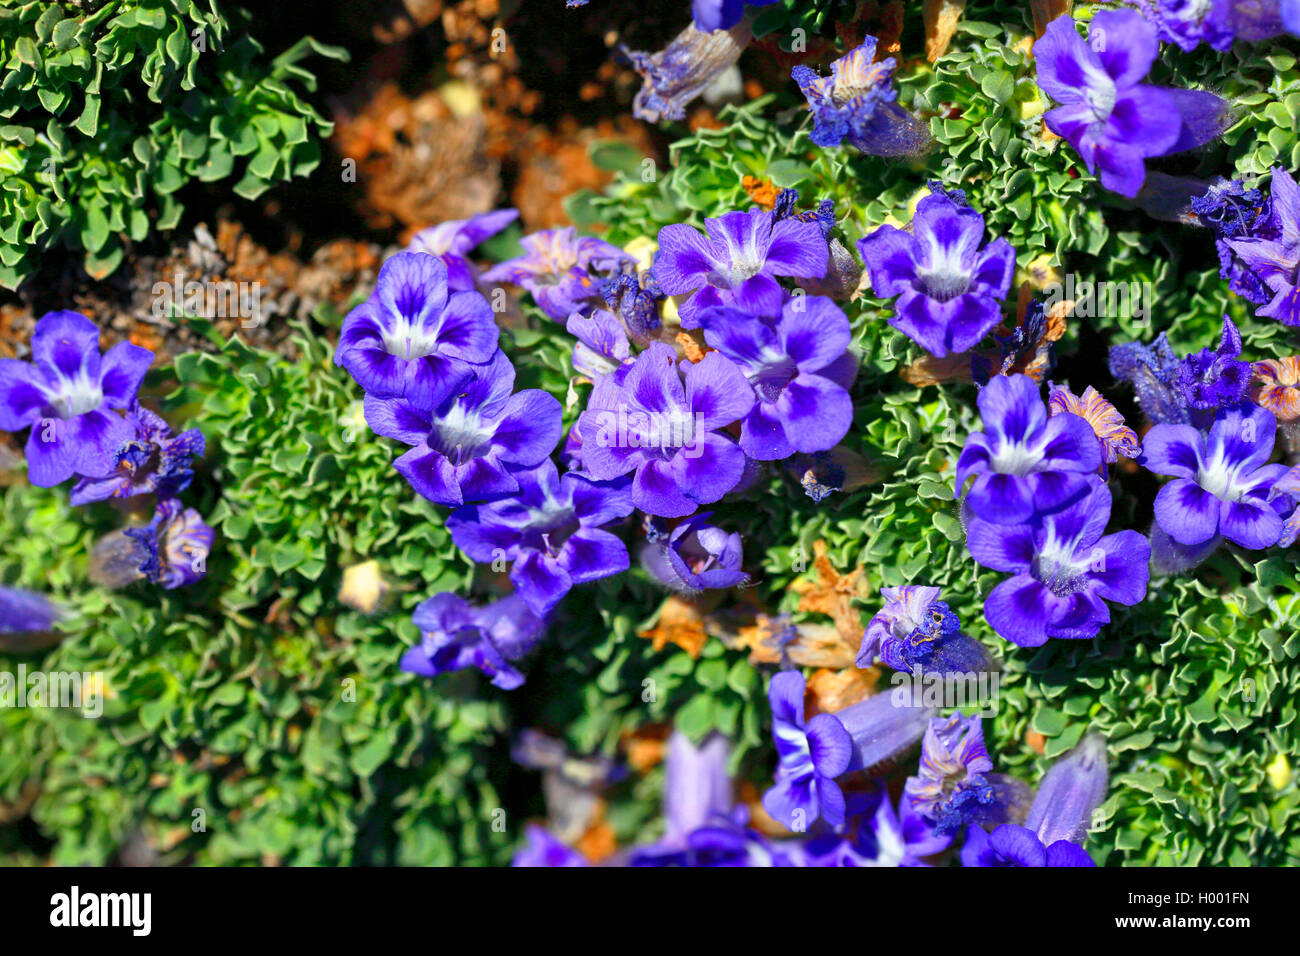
[1107, 113]
[171, 550]
[411, 339]
[152, 461]
[737, 262]
[561, 269]
[66, 394]
[465, 449]
[696, 556]
[1221, 481]
[666, 433]
[1024, 463]
[1102, 417]
[552, 531]
[1065, 570]
[684, 69]
[800, 369]
[454, 636]
[1153, 371]
[452, 241]
[948, 287]
[1275, 260]
[915, 630]
[954, 785]
[857, 103]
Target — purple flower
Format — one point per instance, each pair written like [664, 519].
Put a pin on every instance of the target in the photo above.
[66, 395]
[603, 348]
[151, 461]
[1014, 845]
[452, 242]
[879, 835]
[26, 612]
[696, 556]
[857, 103]
[561, 269]
[1024, 463]
[1058, 820]
[1188, 23]
[666, 433]
[1221, 481]
[721, 14]
[1275, 261]
[800, 369]
[634, 297]
[1212, 379]
[413, 340]
[454, 635]
[954, 785]
[916, 630]
[552, 531]
[171, 550]
[684, 69]
[1290, 13]
[543, 849]
[948, 287]
[1154, 372]
[1106, 112]
[465, 449]
[1064, 570]
[737, 261]
[811, 754]
[1231, 211]
[1071, 790]
[1289, 485]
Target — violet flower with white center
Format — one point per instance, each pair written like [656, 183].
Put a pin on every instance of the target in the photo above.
[1024, 463]
[552, 530]
[737, 261]
[697, 556]
[452, 242]
[689, 65]
[948, 287]
[152, 461]
[171, 550]
[915, 630]
[465, 449]
[66, 394]
[1221, 481]
[1102, 417]
[1059, 818]
[954, 785]
[878, 836]
[811, 754]
[454, 636]
[413, 339]
[561, 270]
[1065, 570]
[667, 433]
[1275, 261]
[1188, 23]
[857, 103]
[800, 370]
[1153, 371]
[1107, 113]
[602, 348]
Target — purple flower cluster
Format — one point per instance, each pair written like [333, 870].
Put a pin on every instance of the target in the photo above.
[70, 396]
[1038, 510]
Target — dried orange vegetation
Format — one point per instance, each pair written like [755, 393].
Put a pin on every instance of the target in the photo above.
[832, 593]
[762, 191]
[680, 623]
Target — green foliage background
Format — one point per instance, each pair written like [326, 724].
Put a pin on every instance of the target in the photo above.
[110, 107]
[231, 696]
